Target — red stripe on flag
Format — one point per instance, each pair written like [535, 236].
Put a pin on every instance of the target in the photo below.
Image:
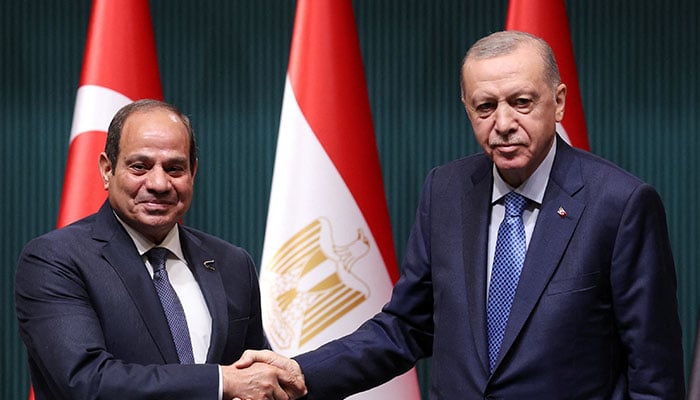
[83, 193]
[548, 20]
[120, 53]
[326, 74]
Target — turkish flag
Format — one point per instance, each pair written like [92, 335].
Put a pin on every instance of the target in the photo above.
[548, 20]
[120, 66]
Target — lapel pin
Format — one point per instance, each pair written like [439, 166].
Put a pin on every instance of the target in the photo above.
[209, 264]
[561, 212]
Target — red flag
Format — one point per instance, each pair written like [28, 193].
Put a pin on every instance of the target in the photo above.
[328, 260]
[548, 20]
[120, 66]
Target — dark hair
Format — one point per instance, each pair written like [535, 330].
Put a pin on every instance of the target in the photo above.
[114, 133]
[506, 42]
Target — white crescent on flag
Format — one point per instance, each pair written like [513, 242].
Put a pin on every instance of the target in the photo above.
[94, 108]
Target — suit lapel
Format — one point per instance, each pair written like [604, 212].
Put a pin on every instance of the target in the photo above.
[204, 268]
[549, 240]
[119, 251]
[476, 206]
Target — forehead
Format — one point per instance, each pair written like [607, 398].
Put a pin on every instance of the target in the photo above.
[522, 69]
[158, 127]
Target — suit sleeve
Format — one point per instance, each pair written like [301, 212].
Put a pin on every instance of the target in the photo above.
[67, 350]
[392, 341]
[643, 284]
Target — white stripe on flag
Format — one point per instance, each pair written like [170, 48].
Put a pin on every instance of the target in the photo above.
[306, 187]
[312, 216]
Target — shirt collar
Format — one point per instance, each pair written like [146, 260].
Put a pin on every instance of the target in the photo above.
[171, 241]
[533, 188]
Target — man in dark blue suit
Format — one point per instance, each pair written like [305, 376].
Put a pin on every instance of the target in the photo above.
[89, 314]
[594, 313]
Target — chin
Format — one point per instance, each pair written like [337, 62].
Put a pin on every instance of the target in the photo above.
[157, 220]
[505, 164]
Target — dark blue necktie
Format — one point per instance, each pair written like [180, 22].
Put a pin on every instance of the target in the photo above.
[171, 305]
[507, 264]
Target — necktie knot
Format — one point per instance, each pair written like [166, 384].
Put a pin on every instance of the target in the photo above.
[157, 256]
[515, 204]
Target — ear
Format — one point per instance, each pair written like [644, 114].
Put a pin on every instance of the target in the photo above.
[106, 170]
[194, 168]
[560, 99]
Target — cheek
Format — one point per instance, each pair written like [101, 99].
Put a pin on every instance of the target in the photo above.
[185, 190]
[125, 188]
[482, 130]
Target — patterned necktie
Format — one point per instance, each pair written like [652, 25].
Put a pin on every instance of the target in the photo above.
[507, 264]
[171, 305]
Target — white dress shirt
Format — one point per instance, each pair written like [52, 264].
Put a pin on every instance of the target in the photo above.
[185, 285]
[533, 189]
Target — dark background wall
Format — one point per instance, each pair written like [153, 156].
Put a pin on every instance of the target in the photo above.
[224, 63]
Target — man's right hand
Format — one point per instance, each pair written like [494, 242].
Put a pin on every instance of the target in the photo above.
[263, 375]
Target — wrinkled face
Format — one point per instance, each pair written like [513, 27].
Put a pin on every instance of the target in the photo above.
[151, 185]
[513, 110]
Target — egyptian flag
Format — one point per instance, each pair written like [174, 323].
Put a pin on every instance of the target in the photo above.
[328, 260]
[547, 19]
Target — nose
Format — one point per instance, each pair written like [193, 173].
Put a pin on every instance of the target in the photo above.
[504, 119]
[158, 180]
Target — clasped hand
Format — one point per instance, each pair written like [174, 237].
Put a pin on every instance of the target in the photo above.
[263, 375]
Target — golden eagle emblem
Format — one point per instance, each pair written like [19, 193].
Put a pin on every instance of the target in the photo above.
[312, 284]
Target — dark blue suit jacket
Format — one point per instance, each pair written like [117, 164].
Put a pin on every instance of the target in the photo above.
[93, 324]
[594, 316]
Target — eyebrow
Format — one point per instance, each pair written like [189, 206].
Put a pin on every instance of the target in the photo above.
[143, 157]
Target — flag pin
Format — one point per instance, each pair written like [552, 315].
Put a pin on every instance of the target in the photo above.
[561, 212]
[209, 264]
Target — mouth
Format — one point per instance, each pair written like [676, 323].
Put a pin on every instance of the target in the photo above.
[506, 148]
[156, 205]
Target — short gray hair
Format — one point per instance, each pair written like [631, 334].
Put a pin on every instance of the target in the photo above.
[506, 42]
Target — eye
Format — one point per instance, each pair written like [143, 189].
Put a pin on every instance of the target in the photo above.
[138, 167]
[176, 170]
[523, 104]
[485, 109]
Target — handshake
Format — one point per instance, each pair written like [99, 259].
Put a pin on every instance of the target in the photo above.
[263, 375]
